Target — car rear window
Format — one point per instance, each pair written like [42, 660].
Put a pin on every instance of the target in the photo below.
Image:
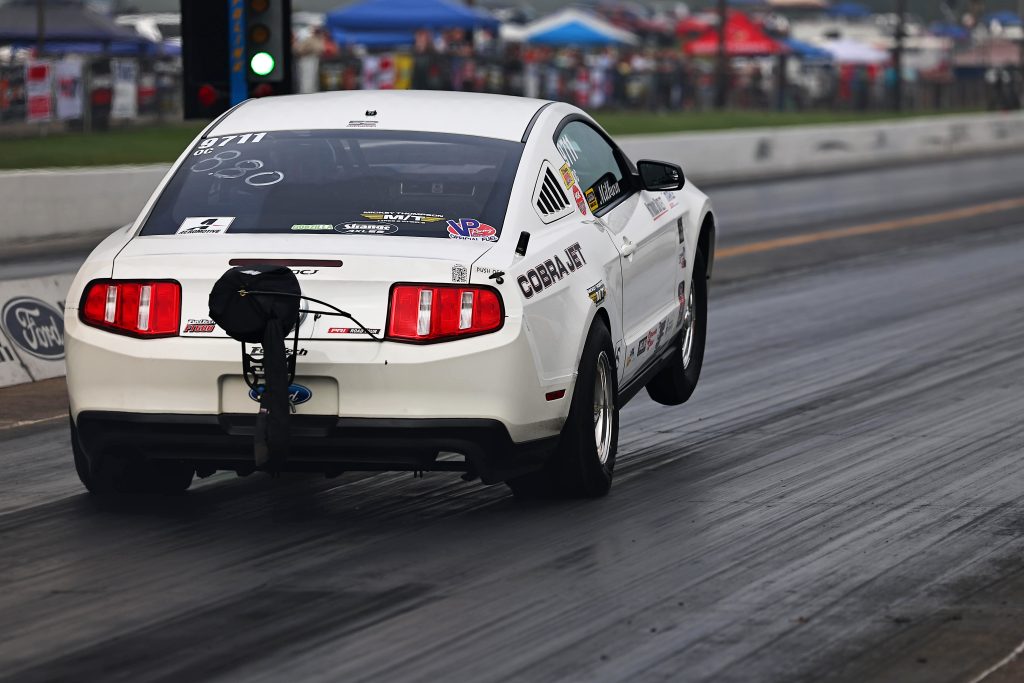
[359, 182]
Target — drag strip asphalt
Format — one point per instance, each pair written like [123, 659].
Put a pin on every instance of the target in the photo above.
[841, 500]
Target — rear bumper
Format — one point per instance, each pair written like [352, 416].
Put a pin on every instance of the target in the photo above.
[318, 443]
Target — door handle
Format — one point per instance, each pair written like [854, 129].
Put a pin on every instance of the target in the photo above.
[628, 248]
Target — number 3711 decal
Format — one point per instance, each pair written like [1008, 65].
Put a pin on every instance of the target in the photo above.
[206, 146]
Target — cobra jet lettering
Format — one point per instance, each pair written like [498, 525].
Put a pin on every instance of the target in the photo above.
[551, 271]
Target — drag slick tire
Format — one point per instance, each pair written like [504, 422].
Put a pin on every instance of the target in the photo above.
[676, 382]
[584, 461]
[109, 476]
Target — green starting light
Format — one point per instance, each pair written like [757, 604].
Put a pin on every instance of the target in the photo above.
[262, 63]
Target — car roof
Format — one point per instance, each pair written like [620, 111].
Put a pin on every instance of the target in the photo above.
[493, 116]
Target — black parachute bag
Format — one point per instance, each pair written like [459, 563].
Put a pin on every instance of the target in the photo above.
[260, 305]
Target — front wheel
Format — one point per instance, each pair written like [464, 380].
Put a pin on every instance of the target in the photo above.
[584, 461]
[676, 382]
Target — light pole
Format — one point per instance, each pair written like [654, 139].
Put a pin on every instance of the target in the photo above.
[897, 55]
[722, 60]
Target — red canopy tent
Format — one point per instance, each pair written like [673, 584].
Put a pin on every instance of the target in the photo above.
[689, 26]
[743, 38]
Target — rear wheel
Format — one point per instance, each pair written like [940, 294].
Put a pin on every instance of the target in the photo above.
[584, 461]
[676, 382]
[104, 475]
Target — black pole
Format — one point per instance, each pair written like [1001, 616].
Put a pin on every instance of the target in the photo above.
[897, 55]
[722, 61]
[40, 26]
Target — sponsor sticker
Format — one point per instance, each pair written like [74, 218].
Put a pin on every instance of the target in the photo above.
[311, 227]
[656, 207]
[471, 229]
[597, 292]
[34, 326]
[567, 176]
[352, 330]
[578, 196]
[402, 217]
[205, 225]
[297, 394]
[460, 273]
[366, 229]
[592, 199]
[362, 124]
[199, 326]
[289, 351]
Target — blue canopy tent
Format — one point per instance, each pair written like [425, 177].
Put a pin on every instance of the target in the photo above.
[391, 16]
[1006, 18]
[373, 38]
[69, 23]
[575, 27]
[849, 10]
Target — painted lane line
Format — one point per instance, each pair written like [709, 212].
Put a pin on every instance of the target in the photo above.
[871, 228]
[1018, 651]
[25, 423]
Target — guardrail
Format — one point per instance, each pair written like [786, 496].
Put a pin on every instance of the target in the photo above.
[68, 202]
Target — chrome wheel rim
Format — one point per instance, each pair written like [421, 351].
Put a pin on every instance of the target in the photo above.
[688, 325]
[603, 407]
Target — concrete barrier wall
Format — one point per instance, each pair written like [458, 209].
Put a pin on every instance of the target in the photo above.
[64, 202]
[60, 202]
[763, 153]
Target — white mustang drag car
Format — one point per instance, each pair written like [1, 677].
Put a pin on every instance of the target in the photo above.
[508, 279]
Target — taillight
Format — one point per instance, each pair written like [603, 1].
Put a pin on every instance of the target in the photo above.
[136, 308]
[438, 312]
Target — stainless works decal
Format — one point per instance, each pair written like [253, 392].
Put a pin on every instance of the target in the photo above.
[551, 272]
[35, 327]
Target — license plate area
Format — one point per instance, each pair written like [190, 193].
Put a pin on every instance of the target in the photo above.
[313, 395]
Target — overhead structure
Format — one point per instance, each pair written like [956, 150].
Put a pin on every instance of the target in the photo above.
[392, 16]
[575, 27]
[743, 38]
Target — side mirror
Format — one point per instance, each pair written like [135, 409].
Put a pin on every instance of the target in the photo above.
[660, 176]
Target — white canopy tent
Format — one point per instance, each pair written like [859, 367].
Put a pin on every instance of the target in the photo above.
[846, 51]
[571, 26]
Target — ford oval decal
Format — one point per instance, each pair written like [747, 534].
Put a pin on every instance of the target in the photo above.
[35, 327]
[296, 393]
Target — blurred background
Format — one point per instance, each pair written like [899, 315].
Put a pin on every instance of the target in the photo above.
[93, 65]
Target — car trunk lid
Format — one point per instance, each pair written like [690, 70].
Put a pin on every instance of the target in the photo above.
[354, 273]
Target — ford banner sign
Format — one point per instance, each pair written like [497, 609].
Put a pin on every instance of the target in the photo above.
[35, 327]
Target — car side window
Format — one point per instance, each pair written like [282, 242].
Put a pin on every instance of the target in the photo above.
[595, 164]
